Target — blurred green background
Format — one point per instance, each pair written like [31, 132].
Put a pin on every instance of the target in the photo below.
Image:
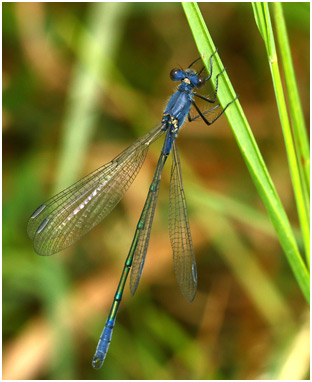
[80, 83]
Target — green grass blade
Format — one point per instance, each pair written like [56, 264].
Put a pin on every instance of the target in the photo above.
[296, 113]
[250, 151]
[89, 77]
[262, 13]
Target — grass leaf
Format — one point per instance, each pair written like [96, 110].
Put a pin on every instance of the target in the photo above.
[299, 129]
[261, 11]
[249, 148]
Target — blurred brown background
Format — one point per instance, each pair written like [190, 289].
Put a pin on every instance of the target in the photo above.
[80, 83]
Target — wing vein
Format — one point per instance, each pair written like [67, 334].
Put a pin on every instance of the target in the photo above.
[180, 233]
[76, 210]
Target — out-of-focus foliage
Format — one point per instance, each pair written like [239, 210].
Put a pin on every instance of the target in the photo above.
[80, 82]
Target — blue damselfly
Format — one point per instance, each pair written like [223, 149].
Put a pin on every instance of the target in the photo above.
[72, 213]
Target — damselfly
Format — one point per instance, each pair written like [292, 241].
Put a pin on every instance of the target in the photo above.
[72, 213]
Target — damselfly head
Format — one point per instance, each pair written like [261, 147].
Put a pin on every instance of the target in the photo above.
[188, 76]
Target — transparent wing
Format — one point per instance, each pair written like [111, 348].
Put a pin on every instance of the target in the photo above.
[179, 232]
[145, 226]
[72, 213]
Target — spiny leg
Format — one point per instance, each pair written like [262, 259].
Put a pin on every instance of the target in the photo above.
[210, 69]
[202, 115]
[190, 119]
[216, 91]
[210, 59]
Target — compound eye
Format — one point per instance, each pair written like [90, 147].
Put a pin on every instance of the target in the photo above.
[200, 82]
[173, 74]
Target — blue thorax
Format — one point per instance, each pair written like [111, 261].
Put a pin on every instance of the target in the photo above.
[179, 105]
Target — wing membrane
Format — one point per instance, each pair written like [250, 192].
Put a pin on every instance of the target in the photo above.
[145, 226]
[179, 232]
[72, 213]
